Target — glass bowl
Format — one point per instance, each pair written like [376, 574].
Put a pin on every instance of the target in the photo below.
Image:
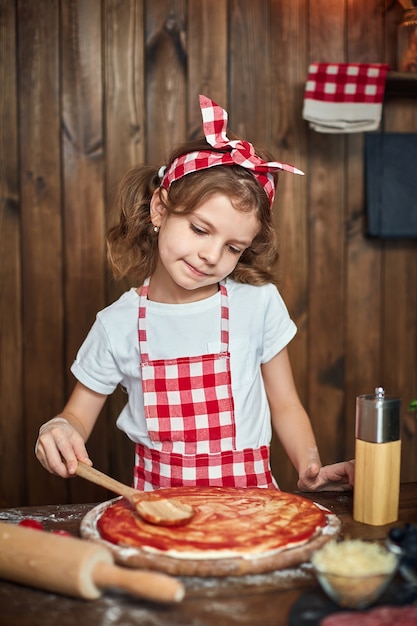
[354, 573]
[353, 592]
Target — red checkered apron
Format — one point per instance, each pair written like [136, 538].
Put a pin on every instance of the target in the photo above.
[189, 414]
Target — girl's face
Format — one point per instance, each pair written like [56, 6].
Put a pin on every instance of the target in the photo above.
[198, 250]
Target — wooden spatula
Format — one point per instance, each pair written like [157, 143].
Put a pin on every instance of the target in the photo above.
[162, 512]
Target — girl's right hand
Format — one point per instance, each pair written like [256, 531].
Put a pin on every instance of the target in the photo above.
[59, 447]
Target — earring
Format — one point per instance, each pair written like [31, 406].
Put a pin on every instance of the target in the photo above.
[156, 229]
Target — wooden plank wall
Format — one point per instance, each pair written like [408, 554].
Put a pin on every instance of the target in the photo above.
[89, 87]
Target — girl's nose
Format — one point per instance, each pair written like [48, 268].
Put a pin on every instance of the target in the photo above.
[211, 253]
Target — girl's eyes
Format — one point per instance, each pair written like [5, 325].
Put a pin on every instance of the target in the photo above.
[197, 230]
[200, 231]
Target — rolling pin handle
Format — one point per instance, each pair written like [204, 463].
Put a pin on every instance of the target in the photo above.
[143, 584]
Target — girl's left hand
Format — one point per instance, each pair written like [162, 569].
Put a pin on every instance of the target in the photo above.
[335, 477]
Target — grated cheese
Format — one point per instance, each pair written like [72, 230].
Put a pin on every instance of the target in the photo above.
[354, 557]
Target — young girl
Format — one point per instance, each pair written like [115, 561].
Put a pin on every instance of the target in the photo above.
[200, 346]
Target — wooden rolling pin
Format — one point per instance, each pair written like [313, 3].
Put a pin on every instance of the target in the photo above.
[75, 567]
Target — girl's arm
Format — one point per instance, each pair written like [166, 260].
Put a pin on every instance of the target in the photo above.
[289, 418]
[293, 428]
[61, 441]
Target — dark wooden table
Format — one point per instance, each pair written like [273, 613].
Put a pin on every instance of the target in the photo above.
[264, 600]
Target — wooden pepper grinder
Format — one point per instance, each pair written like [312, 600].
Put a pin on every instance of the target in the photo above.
[377, 459]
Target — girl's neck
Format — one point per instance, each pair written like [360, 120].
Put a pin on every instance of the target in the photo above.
[168, 292]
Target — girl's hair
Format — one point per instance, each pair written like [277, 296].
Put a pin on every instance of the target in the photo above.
[132, 243]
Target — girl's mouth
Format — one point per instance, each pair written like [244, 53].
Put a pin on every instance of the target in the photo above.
[194, 270]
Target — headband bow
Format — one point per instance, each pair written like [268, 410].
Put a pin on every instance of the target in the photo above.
[234, 152]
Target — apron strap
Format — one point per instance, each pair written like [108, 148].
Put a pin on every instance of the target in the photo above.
[143, 339]
[224, 323]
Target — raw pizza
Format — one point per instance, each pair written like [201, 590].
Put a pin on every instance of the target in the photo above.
[233, 532]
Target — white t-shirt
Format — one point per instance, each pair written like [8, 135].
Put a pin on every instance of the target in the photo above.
[259, 328]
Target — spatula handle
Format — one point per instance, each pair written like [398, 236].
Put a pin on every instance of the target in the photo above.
[98, 478]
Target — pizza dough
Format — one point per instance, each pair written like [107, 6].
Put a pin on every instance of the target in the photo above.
[234, 532]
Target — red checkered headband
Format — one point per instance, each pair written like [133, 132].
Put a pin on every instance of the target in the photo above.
[237, 152]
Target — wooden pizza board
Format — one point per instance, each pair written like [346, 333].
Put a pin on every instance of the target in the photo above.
[222, 567]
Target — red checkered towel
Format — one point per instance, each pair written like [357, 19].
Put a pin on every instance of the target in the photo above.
[344, 97]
